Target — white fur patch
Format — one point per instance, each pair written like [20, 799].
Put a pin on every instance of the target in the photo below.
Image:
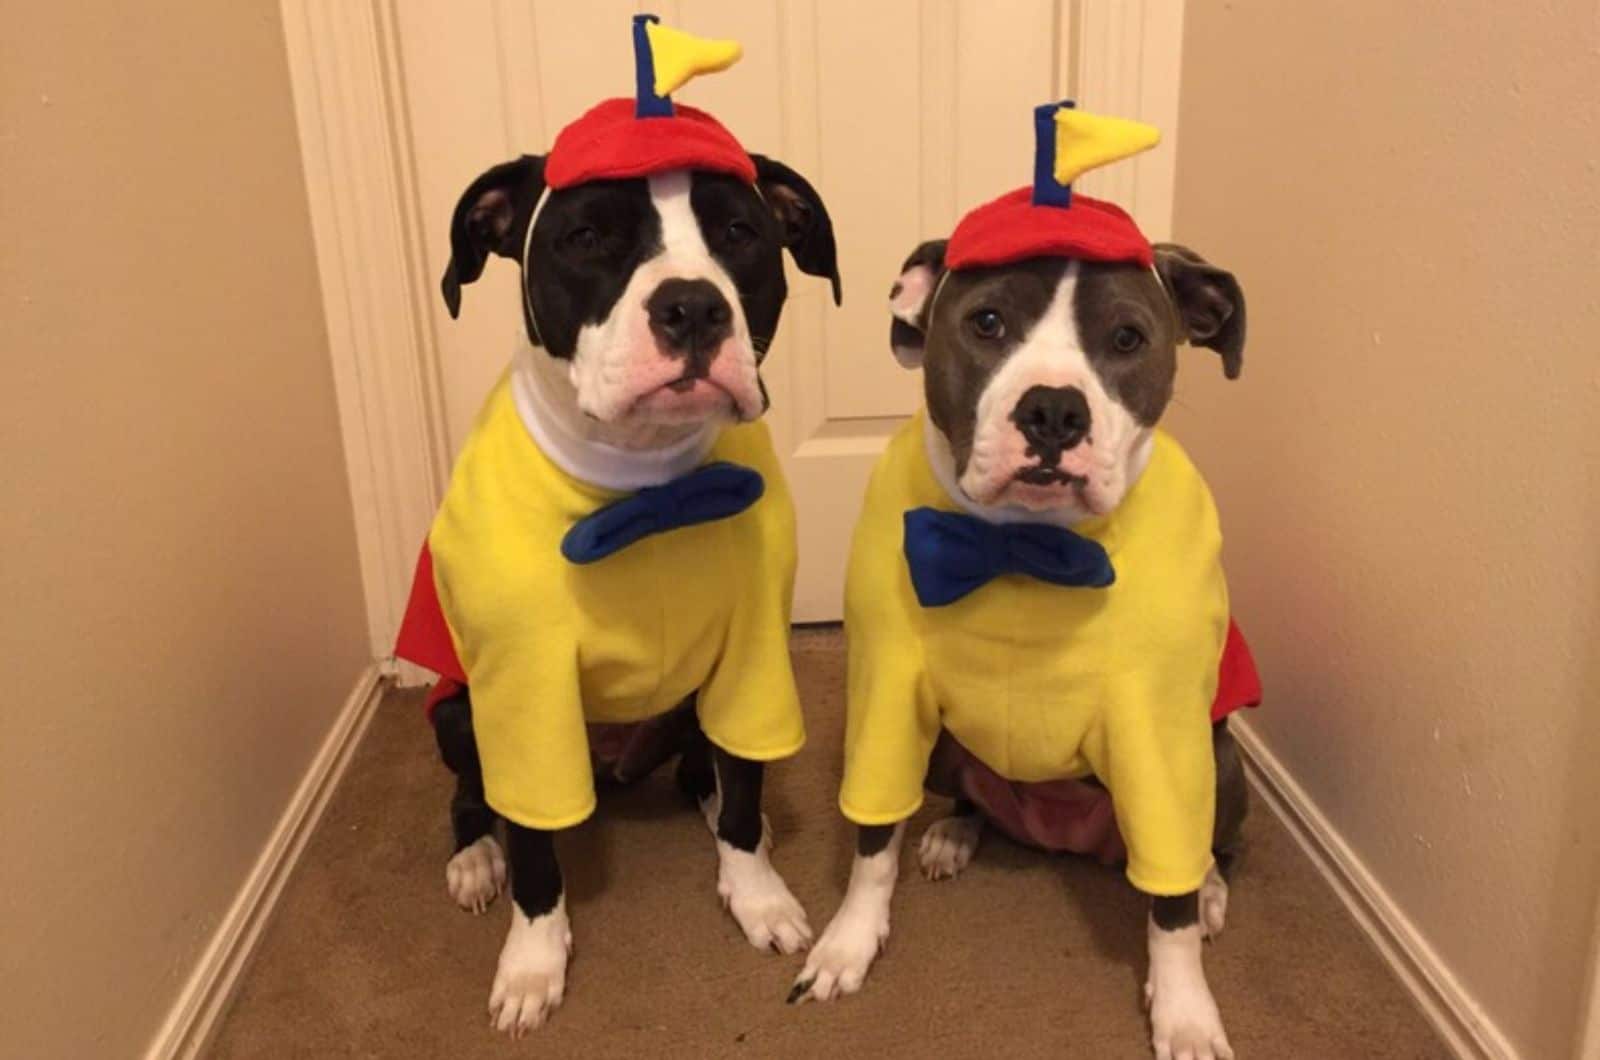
[617, 361]
[948, 845]
[1184, 1021]
[838, 963]
[1052, 355]
[532, 976]
[476, 875]
[1213, 904]
[768, 914]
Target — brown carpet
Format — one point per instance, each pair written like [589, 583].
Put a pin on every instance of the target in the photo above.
[1023, 956]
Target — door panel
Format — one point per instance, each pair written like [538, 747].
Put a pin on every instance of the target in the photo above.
[905, 136]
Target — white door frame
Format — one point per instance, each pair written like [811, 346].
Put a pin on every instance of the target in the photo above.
[1120, 58]
[356, 158]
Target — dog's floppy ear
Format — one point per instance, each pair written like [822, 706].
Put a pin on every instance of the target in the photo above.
[802, 219]
[910, 300]
[1209, 302]
[491, 218]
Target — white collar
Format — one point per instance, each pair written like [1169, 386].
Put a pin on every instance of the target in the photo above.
[548, 408]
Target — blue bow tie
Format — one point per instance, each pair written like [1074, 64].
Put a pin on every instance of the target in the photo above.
[950, 555]
[705, 495]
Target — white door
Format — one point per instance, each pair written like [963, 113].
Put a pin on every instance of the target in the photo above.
[903, 113]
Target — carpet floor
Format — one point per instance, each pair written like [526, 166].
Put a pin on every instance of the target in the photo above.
[1023, 956]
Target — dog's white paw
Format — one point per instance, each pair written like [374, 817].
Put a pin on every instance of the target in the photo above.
[838, 963]
[1213, 904]
[1185, 1025]
[532, 976]
[1184, 1022]
[948, 845]
[759, 900]
[476, 875]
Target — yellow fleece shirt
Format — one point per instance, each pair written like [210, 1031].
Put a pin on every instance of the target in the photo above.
[1044, 682]
[549, 645]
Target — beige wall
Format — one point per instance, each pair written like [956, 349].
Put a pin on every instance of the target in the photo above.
[1408, 468]
[182, 611]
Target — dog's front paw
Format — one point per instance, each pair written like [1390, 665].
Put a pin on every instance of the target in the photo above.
[476, 875]
[1213, 904]
[532, 976]
[948, 845]
[1186, 1026]
[759, 900]
[838, 964]
[1184, 1022]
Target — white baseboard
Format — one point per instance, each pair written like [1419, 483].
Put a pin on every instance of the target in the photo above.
[194, 1017]
[407, 675]
[1465, 1027]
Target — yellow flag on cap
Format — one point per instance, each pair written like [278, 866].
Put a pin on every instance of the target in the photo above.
[1088, 141]
[679, 56]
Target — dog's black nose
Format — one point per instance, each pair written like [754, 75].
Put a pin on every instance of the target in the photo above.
[1053, 419]
[691, 318]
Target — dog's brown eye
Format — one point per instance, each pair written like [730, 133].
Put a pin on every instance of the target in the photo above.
[1127, 339]
[739, 233]
[583, 239]
[987, 324]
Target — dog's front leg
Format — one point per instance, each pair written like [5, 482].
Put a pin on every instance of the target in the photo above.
[476, 872]
[1184, 1021]
[839, 963]
[532, 975]
[751, 888]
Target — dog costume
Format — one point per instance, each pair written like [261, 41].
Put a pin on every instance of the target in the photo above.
[574, 612]
[1009, 663]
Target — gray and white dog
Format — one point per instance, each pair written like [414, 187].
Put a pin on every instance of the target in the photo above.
[1044, 382]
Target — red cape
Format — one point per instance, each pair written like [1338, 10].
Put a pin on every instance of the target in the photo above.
[424, 636]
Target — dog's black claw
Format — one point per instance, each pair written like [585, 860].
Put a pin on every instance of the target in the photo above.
[798, 991]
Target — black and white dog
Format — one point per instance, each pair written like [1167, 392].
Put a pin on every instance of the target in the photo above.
[1044, 381]
[650, 303]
